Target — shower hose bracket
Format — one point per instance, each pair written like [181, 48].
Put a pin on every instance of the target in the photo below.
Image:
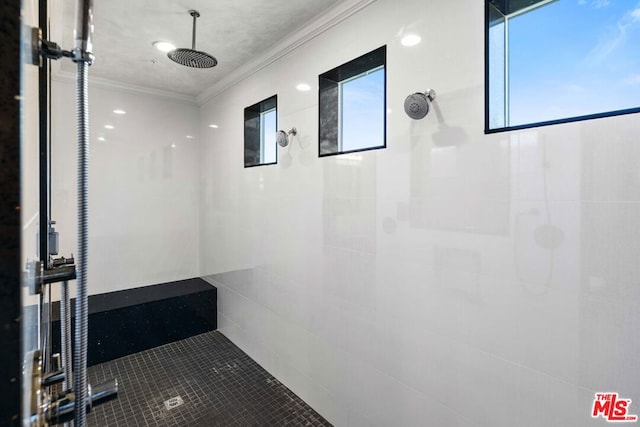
[47, 49]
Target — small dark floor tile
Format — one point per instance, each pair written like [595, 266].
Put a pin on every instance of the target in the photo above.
[219, 384]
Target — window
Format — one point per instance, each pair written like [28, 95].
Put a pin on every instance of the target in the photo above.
[553, 61]
[260, 124]
[352, 106]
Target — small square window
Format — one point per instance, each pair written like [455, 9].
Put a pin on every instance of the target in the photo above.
[352, 105]
[555, 61]
[260, 124]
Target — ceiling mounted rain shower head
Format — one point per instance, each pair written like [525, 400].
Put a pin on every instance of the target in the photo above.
[417, 104]
[282, 137]
[192, 57]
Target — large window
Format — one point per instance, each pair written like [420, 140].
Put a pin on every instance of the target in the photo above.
[553, 61]
[353, 105]
[260, 124]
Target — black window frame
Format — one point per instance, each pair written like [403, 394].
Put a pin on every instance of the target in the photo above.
[251, 113]
[369, 61]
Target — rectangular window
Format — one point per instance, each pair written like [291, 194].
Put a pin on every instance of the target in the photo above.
[352, 105]
[260, 124]
[555, 61]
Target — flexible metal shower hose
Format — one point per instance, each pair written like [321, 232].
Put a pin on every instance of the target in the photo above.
[82, 302]
[65, 339]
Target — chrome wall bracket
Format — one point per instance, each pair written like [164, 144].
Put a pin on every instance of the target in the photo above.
[44, 408]
[41, 49]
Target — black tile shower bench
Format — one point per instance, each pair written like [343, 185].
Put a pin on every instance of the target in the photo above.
[132, 320]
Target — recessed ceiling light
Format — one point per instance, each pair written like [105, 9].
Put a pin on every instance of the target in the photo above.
[303, 87]
[189, 136]
[173, 145]
[108, 127]
[101, 138]
[163, 46]
[410, 40]
[119, 111]
[213, 126]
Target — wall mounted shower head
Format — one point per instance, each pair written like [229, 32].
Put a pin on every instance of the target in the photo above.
[192, 57]
[282, 137]
[417, 104]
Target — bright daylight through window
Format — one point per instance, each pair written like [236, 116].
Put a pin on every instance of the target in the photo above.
[561, 60]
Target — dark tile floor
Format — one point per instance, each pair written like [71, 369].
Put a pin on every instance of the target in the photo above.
[218, 383]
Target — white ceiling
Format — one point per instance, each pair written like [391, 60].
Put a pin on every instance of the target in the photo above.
[233, 31]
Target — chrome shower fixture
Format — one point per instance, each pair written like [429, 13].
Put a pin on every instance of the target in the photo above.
[282, 137]
[417, 104]
[192, 57]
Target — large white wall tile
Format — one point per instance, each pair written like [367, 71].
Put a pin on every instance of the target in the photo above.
[143, 186]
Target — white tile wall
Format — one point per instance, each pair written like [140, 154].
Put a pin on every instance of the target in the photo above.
[143, 186]
[452, 279]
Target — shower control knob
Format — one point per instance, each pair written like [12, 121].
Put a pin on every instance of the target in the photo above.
[61, 409]
[53, 378]
[46, 410]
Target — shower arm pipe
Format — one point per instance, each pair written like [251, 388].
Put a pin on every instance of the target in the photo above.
[195, 15]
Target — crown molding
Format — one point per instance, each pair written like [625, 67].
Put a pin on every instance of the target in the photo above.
[62, 76]
[305, 34]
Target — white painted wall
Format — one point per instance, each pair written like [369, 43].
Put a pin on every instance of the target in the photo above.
[452, 279]
[143, 186]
